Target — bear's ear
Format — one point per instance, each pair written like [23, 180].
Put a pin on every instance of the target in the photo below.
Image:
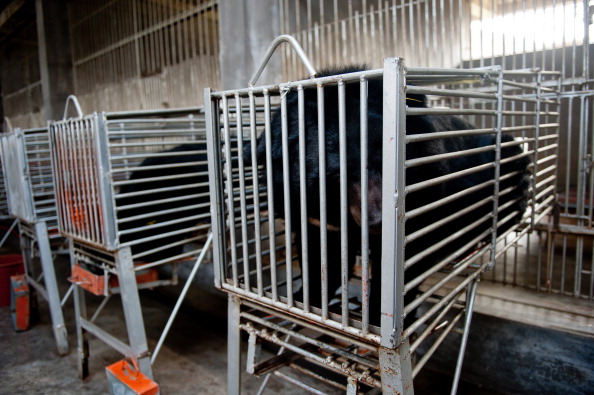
[374, 202]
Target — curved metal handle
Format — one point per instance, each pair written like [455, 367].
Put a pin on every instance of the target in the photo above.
[275, 43]
[9, 128]
[72, 99]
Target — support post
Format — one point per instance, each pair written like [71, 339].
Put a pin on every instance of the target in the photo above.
[55, 59]
[396, 370]
[233, 347]
[132, 310]
[80, 313]
[51, 286]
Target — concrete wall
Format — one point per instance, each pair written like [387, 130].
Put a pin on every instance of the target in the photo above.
[246, 30]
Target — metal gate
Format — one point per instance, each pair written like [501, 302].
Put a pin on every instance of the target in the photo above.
[282, 248]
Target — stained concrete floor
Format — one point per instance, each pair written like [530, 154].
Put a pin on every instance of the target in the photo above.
[503, 357]
[193, 359]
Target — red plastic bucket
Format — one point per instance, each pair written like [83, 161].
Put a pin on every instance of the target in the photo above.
[10, 264]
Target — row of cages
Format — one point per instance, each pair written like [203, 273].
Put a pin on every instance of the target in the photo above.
[359, 203]
[130, 192]
[299, 214]
[118, 179]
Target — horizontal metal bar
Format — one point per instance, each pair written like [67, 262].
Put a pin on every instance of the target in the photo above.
[450, 155]
[38, 287]
[107, 338]
[315, 342]
[446, 111]
[447, 177]
[449, 92]
[338, 335]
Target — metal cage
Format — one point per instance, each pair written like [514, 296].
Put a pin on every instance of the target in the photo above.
[275, 261]
[101, 205]
[133, 195]
[31, 200]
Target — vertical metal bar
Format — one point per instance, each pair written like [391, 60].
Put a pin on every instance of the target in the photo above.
[88, 167]
[270, 190]
[233, 346]
[51, 286]
[303, 192]
[396, 370]
[393, 195]
[344, 236]
[287, 202]
[497, 164]
[216, 182]
[323, 203]
[242, 197]
[569, 152]
[80, 313]
[229, 194]
[132, 310]
[364, 209]
[581, 194]
[537, 111]
[586, 39]
[106, 211]
[256, 189]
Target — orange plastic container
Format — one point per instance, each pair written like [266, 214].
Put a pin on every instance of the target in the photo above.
[95, 283]
[125, 378]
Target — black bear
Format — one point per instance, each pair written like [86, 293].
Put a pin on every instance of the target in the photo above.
[514, 181]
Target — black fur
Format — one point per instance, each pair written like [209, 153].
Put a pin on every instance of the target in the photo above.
[183, 165]
[414, 125]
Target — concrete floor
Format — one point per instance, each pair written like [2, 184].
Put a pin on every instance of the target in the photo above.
[192, 360]
[503, 357]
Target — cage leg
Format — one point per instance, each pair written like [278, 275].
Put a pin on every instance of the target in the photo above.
[26, 245]
[51, 286]
[352, 386]
[396, 370]
[132, 310]
[80, 313]
[469, 308]
[233, 347]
